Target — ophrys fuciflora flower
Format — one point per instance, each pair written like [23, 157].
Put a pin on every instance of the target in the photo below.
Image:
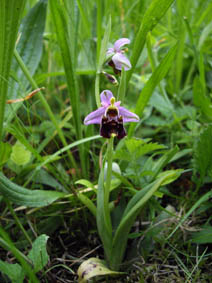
[117, 57]
[111, 116]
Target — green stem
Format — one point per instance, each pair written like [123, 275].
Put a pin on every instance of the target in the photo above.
[18, 223]
[108, 181]
[98, 103]
[45, 104]
[122, 86]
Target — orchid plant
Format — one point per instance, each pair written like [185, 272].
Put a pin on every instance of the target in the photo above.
[111, 117]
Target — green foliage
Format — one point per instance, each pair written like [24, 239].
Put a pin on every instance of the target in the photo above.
[30, 47]
[201, 100]
[203, 154]
[154, 13]
[29, 198]
[135, 148]
[19, 154]
[61, 175]
[5, 150]
[203, 237]
[37, 255]
[155, 79]
[11, 12]
[121, 234]
[13, 271]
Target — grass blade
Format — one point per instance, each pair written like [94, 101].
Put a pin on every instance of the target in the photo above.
[10, 14]
[154, 13]
[60, 19]
[159, 73]
[204, 198]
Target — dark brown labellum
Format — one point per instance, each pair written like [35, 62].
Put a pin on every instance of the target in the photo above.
[112, 125]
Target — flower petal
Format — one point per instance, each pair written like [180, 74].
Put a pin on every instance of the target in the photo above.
[117, 103]
[127, 115]
[120, 42]
[95, 117]
[105, 96]
[109, 54]
[110, 51]
[119, 59]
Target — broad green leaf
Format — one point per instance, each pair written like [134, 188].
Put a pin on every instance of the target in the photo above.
[43, 177]
[135, 148]
[203, 153]
[163, 161]
[203, 237]
[38, 254]
[140, 194]
[159, 73]
[7, 244]
[29, 198]
[20, 136]
[5, 150]
[85, 183]
[160, 103]
[152, 16]
[133, 144]
[10, 15]
[172, 177]
[94, 267]
[139, 147]
[20, 155]
[122, 232]
[13, 271]
[29, 48]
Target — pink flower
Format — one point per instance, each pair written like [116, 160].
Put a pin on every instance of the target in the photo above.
[111, 116]
[118, 58]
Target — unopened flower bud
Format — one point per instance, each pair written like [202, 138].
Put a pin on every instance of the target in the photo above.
[111, 78]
